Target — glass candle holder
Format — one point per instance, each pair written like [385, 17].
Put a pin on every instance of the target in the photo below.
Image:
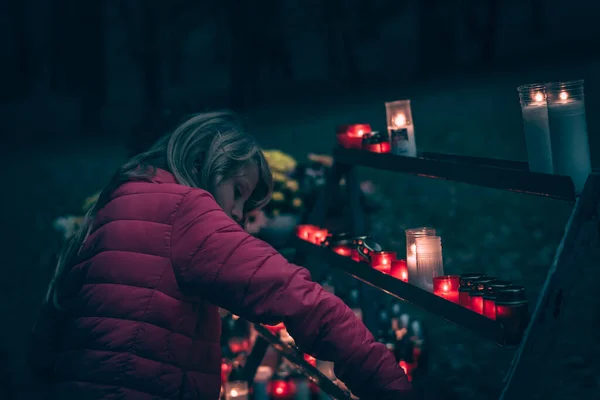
[429, 260]
[382, 260]
[535, 123]
[489, 297]
[512, 312]
[341, 244]
[411, 250]
[236, 390]
[399, 270]
[466, 281]
[375, 143]
[400, 127]
[568, 131]
[350, 136]
[318, 236]
[282, 389]
[446, 286]
[476, 294]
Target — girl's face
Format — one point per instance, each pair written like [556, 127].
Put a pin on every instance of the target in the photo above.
[232, 194]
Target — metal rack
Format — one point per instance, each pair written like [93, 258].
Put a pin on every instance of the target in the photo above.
[575, 245]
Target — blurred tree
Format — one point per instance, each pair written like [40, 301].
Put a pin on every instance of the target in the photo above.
[22, 56]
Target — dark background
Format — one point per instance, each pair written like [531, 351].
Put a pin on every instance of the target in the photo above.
[80, 80]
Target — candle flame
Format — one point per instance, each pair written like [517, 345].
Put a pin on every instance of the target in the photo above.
[413, 248]
[279, 390]
[233, 393]
[539, 97]
[360, 132]
[404, 275]
[563, 95]
[445, 287]
[400, 120]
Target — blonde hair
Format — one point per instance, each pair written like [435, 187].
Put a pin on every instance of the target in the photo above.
[202, 152]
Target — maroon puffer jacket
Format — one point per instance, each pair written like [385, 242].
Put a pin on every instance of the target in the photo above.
[141, 318]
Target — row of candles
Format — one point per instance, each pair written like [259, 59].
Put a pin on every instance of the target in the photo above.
[555, 127]
[496, 299]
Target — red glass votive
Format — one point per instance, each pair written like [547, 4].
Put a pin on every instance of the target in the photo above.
[512, 312]
[446, 286]
[466, 281]
[345, 251]
[239, 345]
[489, 297]
[282, 389]
[355, 256]
[380, 147]
[305, 232]
[225, 369]
[408, 369]
[382, 260]
[319, 236]
[399, 270]
[350, 136]
[476, 294]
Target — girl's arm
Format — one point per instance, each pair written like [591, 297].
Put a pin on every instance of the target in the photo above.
[215, 259]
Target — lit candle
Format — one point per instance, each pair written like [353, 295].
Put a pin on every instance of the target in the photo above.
[350, 136]
[382, 260]
[400, 128]
[236, 388]
[282, 389]
[305, 231]
[447, 287]
[341, 244]
[411, 250]
[318, 236]
[476, 294]
[375, 143]
[466, 281]
[535, 123]
[489, 297]
[512, 312]
[399, 270]
[429, 261]
[568, 131]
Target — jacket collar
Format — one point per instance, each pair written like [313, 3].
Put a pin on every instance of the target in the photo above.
[162, 176]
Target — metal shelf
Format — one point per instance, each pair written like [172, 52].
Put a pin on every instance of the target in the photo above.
[295, 356]
[485, 172]
[447, 310]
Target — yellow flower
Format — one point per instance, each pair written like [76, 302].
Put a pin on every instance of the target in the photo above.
[278, 196]
[292, 185]
[279, 161]
[297, 202]
[90, 201]
[278, 177]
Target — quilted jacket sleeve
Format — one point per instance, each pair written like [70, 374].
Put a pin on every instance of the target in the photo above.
[214, 258]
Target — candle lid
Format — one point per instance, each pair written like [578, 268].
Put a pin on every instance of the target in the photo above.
[367, 246]
[478, 286]
[466, 280]
[511, 294]
[492, 288]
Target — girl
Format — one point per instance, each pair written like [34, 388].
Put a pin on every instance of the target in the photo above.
[132, 311]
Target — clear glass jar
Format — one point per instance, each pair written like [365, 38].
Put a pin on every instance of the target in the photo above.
[535, 123]
[411, 250]
[429, 261]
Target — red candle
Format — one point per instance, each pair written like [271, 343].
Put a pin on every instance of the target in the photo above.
[318, 236]
[489, 297]
[342, 250]
[382, 260]
[447, 287]
[350, 136]
[275, 329]
[239, 345]
[381, 147]
[476, 294]
[225, 369]
[305, 232]
[280, 389]
[399, 270]
[310, 359]
[512, 312]
[355, 256]
[466, 281]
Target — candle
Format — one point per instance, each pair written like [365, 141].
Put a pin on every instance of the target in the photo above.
[535, 124]
[318, 236]
[305, 232]
[512, 312]
[375, 143]
[225, 369]
[341, 244]
[489, 297]
[355, 256]
[429, 261]
[411, 250]
[476, 294]
[466, 281]
[400, 128]
[282, 389]
[237, 390]
[350, 136]
[568, 131]
[382, 260]
[446, 286]
[399, 270]
[238, 345]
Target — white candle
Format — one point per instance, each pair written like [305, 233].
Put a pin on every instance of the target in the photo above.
[411, 251]
[535, 123]
[568, 131]
[236, 390]
[429, 261]
[401, 128]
